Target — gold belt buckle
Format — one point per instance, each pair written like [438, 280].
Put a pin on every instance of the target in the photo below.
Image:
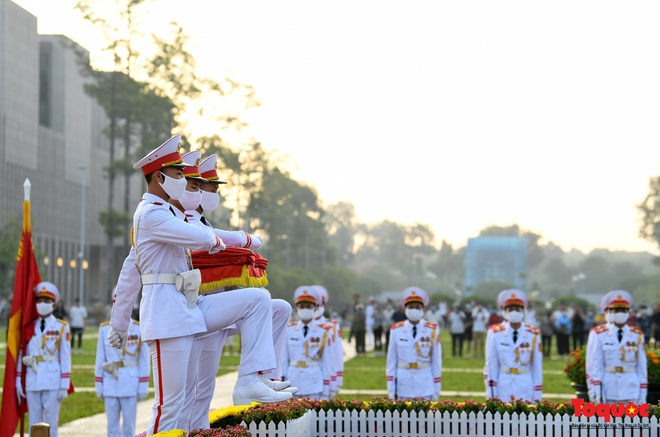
[119, 364]
[414, 365]
[513, 370]
[39, 358]
[302, 363]
[618, 369]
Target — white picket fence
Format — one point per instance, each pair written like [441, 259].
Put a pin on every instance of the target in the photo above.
[388, 424]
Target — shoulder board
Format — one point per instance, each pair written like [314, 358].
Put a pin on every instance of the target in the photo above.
[64, 322]
[189, 215]
[431, 325]
[636, 330]
[157, 203]
[397, 325]
[532, 329]
[293, 323]
[599, 329]
[497, 328]
[107, 322]
[325, 326]
[136, 322]
[334, 322]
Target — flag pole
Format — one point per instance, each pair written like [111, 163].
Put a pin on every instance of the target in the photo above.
[26, 198]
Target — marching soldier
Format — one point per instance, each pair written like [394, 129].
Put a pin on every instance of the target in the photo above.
[47, 360]
[337, 380]
[122, 378]
[616, 359]
[307, 361]
[514, 362]
[414, 355]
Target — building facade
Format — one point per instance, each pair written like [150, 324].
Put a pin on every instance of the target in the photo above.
[501, 259]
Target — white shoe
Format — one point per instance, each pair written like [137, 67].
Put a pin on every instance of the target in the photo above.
[290, 389]
[258, 392]
[275, 385]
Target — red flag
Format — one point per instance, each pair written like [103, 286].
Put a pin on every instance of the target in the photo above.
[21, 324]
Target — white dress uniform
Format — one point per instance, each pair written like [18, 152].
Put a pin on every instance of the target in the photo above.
[414, 356]
[617, 369]
[337, 345]
[307, 361]
[513, 369]
[122, 375]
[49, 352]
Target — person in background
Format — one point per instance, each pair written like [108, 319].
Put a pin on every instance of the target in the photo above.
[467, 323]
[443, 309]
[369, 321]
[358, 329]
[414, 358]
[644, 320]
[479, 327]
[589, 323]
[530, 315]
[547, 331]
[494, 318]
[378, 329]
[577, 326]
[562, 323]
[457, 330]
[122, 378]
[655, 324]
[616, 360]
[47, 360]
[60, 311]
[78, 314]
[388, 313]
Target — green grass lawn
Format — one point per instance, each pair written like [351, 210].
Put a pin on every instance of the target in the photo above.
[363, 373]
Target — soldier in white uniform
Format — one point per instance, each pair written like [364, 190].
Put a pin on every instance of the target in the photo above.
[616, 359]
[170, 314]
[337, 347]
[207, 349]
[414, 355]
[122, 378]
[514, 361]
[47, 360]
[307, 361]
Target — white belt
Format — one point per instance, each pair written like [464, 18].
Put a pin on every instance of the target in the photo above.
[413, 365]
[158, 278]
[40, 358]
[514, 370]
[125, 363]
[620, 369]
[303, 363]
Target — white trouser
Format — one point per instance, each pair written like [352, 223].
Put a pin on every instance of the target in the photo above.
[126, 407]
[318, 396]
[169, 357]
[251, 308]
[44, 407]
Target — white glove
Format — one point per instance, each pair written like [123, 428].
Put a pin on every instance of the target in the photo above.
[141, 396]
[117, 338]
[62, 394]
[100, 396]
[257, 242]
[594, 396]
[218, 247]
[19, 392]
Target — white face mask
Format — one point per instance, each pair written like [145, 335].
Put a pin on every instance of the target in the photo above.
[514, 316]
[414, 315]
[190, 200]
[305, 313]
[620, 318]
[209, 201]
[174, 187]
[44, 308]
[319, 311]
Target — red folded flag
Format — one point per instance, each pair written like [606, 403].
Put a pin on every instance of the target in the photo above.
[232, 267]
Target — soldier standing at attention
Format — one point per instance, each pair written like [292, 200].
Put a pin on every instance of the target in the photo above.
[122, 378]
[514, 361]
[48, 361]
[414, 356]
[616, 359]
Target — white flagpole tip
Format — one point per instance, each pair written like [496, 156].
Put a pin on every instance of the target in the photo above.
[26, 189]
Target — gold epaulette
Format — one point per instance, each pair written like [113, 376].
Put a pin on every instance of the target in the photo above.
[599, 329]
[431, 325]
[107, 322]
[636, 330]
[533, 329]
[293, 323]
[397, 325]
[325, 326]
[64, 322]
[498, 327]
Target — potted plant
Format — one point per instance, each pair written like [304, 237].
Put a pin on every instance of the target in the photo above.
[576, 372]
[653, 365]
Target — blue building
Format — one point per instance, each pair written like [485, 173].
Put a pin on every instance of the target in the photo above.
[502, 259]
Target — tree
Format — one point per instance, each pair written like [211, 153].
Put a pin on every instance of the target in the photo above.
[649, 209]
[340, 224]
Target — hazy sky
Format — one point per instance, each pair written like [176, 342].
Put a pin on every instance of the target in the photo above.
[457, 114]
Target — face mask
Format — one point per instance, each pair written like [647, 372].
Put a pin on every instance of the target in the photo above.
[44, 308]
[608, 317]
[174, 187]
[190, 200]
[319, 312]
[209, 201]
[305, 313]
[414, 315]
[514, 316]
[620, 318]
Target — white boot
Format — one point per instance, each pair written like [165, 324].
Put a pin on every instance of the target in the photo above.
[275, 385]
[258, 392]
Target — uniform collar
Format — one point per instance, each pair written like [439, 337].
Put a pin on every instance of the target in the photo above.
[194, 215]
[152, 198]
